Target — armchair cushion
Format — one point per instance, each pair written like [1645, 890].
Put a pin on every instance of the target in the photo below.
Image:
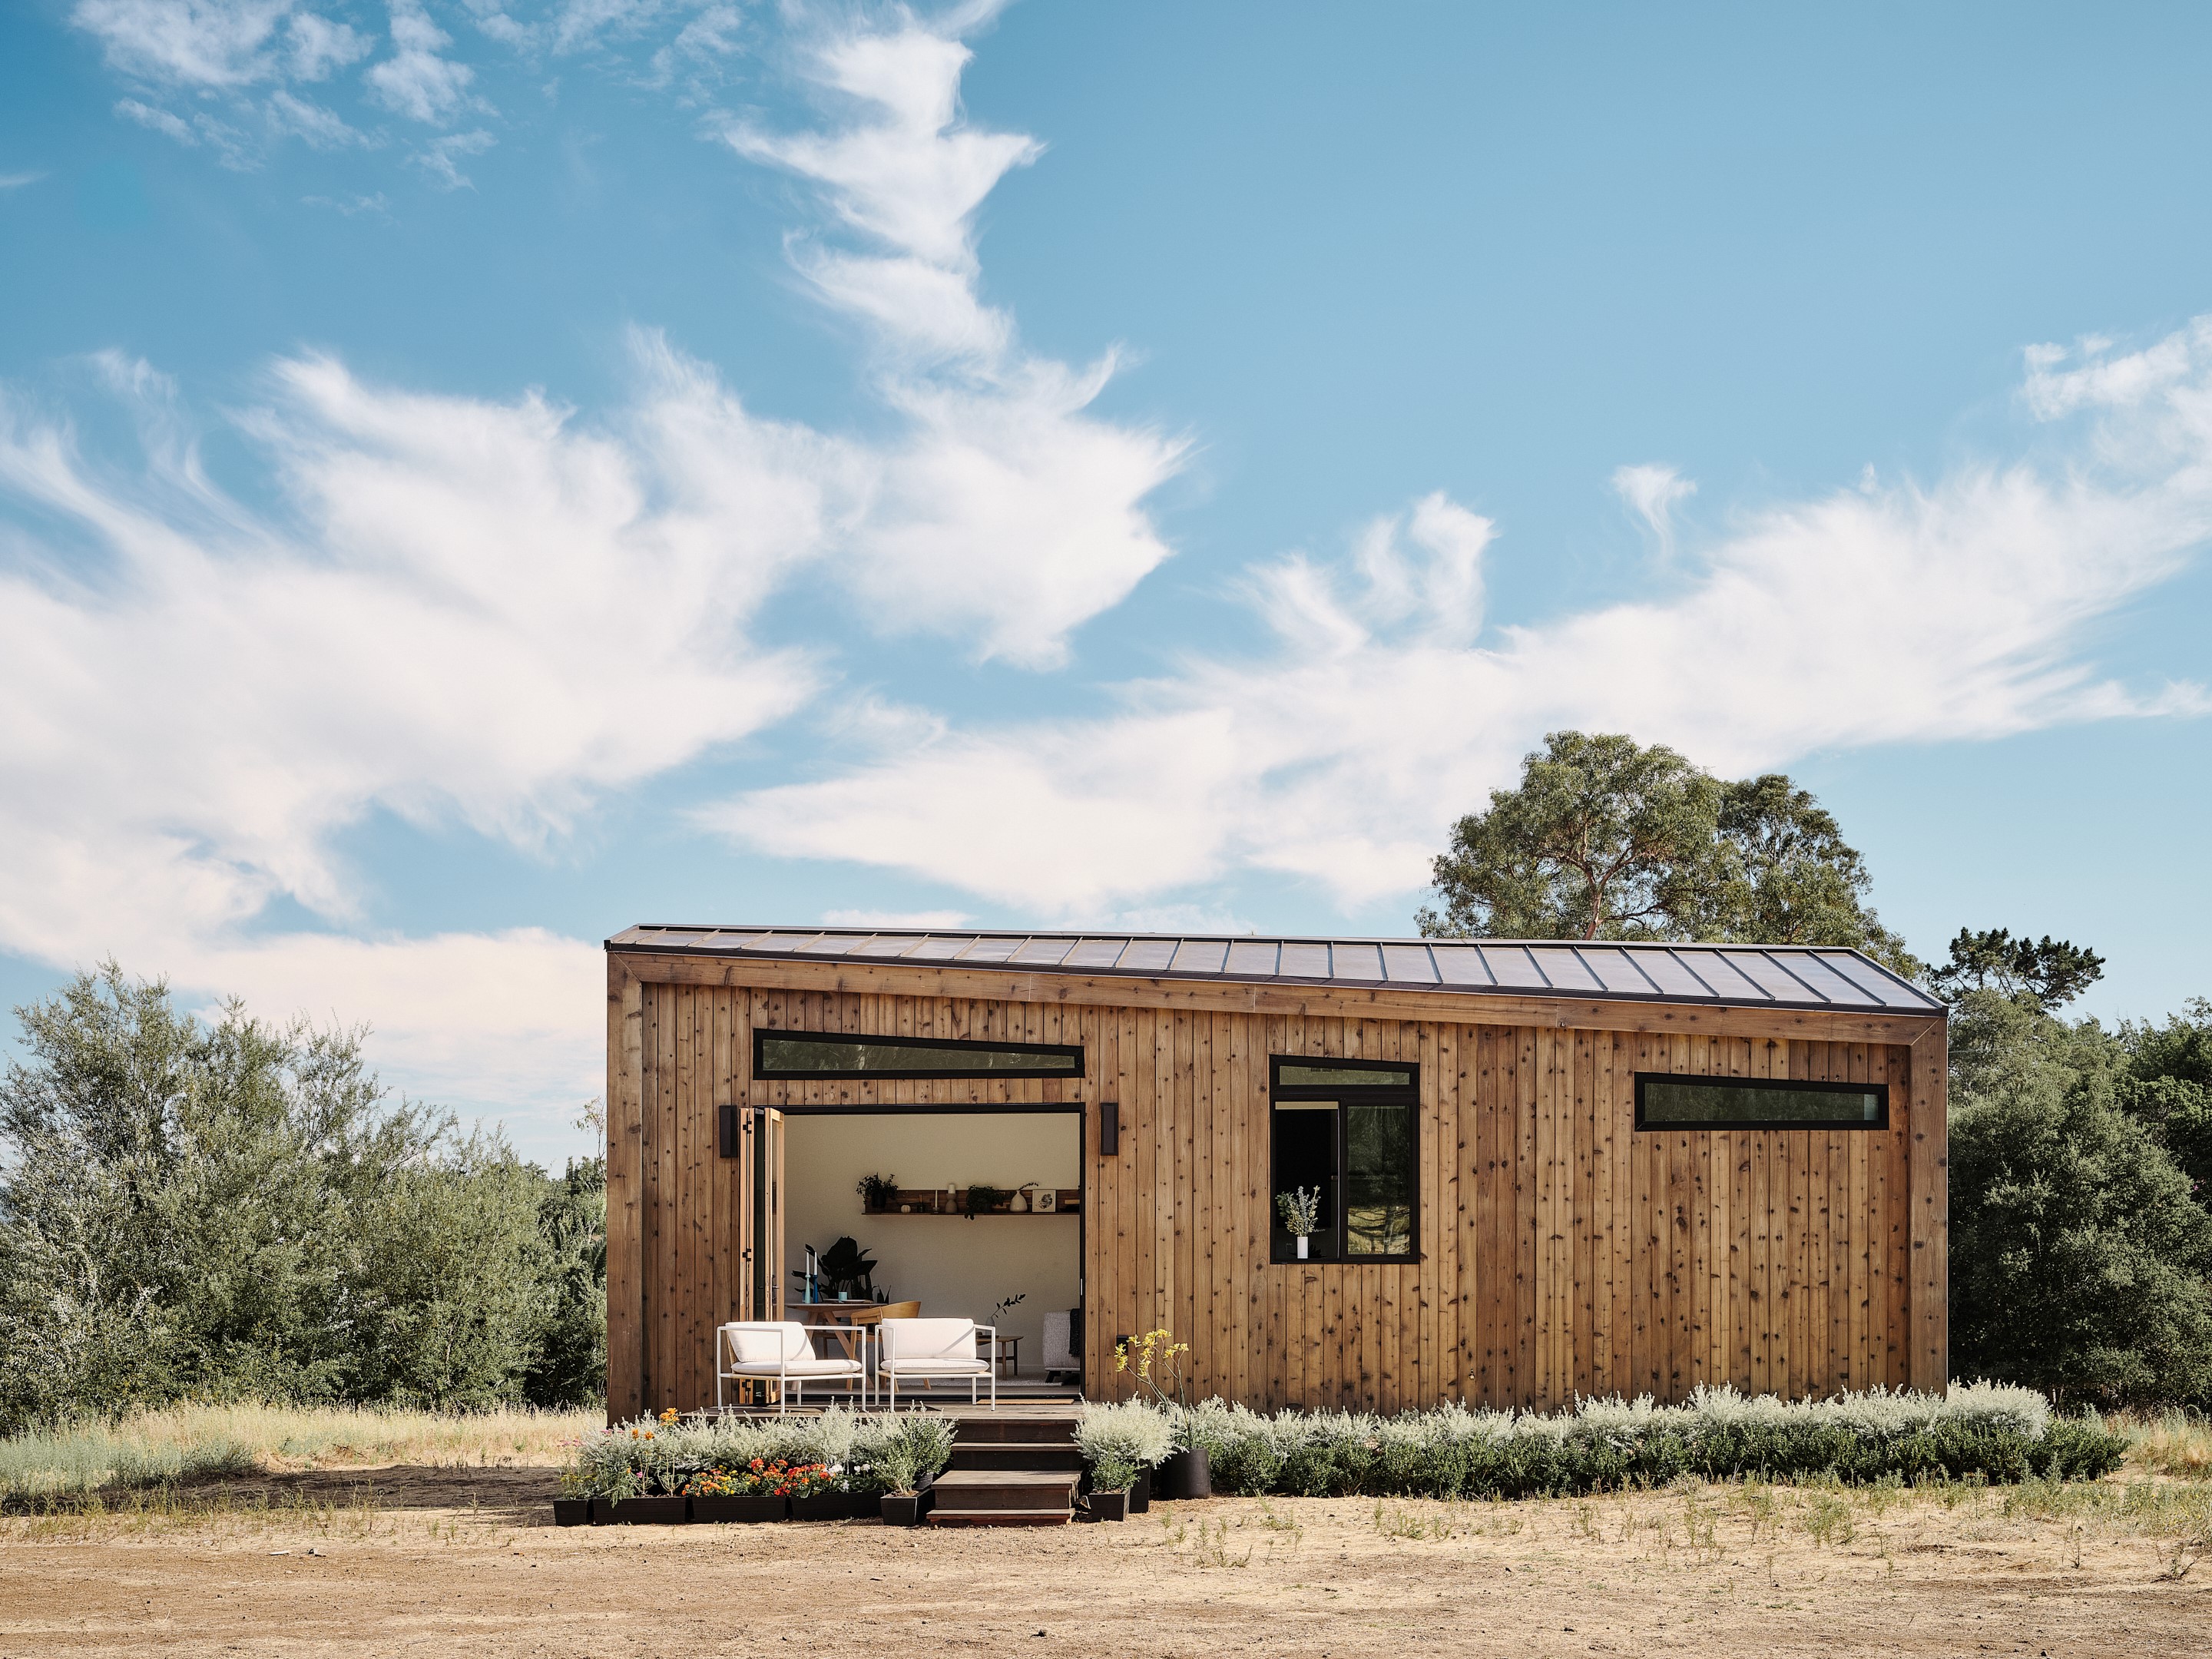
[905, 1340]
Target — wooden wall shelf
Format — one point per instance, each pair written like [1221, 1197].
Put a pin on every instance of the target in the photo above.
[932, 1200]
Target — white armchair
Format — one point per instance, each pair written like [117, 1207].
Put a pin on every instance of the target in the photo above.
[780, 1352]
[925, 1350]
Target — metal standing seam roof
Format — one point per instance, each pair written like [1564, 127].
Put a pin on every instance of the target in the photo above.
[1736, 975]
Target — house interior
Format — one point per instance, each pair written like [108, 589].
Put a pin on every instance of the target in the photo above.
[1015, 1264]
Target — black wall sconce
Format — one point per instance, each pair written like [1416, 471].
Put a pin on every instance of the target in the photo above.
[1109, 1128]
[729, 1131]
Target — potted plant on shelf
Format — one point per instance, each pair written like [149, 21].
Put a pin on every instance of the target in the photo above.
[878, 1193]
[1300, 1209]
[1155, 1359]
[982, 1199]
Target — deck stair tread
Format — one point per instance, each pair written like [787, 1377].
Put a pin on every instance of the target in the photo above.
[1009, 1471]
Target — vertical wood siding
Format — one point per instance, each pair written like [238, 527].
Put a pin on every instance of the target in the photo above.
[1562, 1252]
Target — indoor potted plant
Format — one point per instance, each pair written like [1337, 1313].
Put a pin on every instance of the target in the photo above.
[1300, 1209]
[878, 1193]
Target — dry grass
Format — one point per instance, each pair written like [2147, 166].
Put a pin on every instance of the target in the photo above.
[2179, 1444]
[186, 1443]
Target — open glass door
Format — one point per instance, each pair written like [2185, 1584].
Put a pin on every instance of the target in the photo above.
[764, 1129]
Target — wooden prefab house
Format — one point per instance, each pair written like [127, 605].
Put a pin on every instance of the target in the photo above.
[1361, 1173]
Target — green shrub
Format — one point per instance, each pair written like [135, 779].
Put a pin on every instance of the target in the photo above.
[865, 1452]
[1999, 1434]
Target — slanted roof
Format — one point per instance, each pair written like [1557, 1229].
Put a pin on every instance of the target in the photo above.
[1732, 976]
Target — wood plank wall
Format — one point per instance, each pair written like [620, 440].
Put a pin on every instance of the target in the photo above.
[1562, 1252]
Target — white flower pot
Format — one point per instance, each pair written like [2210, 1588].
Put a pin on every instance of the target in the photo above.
[1302, 1247]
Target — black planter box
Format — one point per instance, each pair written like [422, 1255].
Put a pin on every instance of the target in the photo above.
[572, 1511]
[864, 1506]
[641, 1511]
[1110, 1505]
[823, 1506]
[748, 1507]
[1188, 1474]
[1140, 1493]
[906, 1510]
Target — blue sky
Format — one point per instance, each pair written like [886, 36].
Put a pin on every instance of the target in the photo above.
[470, 479]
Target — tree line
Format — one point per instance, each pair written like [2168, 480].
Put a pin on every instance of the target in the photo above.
[237, 1210]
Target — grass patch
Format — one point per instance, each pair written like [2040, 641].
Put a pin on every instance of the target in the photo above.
[179, 1445]
[2179, 1444]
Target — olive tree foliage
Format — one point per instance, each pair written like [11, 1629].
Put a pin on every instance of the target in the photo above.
[238, 1209]
[1608, 839]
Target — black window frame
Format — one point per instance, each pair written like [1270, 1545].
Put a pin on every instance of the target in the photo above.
[1407, 1093]
[1787, 1086]
[1071, 1051]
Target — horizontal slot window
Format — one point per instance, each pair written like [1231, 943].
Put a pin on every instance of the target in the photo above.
[1757, 1103]
[801, 1054]
[1339, 1075]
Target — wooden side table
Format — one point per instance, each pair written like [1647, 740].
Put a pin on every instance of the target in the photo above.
[1009, 1357]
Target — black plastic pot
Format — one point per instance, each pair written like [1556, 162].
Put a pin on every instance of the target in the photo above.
[1188, 1474]
[1140, 1493]
[748, 1507]
[641, 1511]
[823, 1506]
[906, 1509]
[1110, 1506]
[572, 1511]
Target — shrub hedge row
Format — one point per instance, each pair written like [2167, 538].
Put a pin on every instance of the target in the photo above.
[1996, 1434]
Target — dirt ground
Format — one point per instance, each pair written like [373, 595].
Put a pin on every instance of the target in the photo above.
[465, 1562]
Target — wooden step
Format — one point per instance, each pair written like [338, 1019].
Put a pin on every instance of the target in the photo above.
[969, 1490]
[1049, 1455]
[1028, 1427]
[999, 1518]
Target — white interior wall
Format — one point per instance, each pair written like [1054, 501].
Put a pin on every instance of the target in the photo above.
[951, 1265]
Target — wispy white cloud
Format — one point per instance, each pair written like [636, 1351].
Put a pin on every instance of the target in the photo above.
[1866, 616]
[320, 128]
[318, 47]
[161, 120]
[417, 80]
[1011, 515]
[442, 157]
[468, 615]
[1651, 493]
[17, 180]
[187, 43]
